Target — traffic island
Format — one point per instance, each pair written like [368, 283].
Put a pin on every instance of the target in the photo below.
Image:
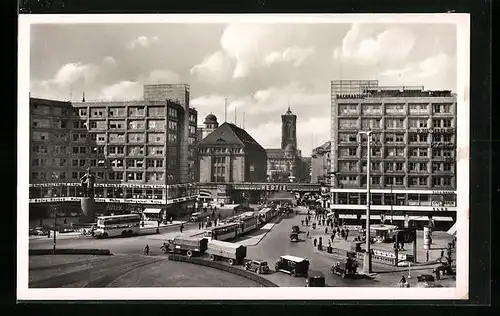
[219, 266]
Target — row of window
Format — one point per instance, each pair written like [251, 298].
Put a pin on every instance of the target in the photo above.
[395, 109]
[130, 163]
[112, 124]
[221, 150]
[397, 152]
[112, 150]
[396, 180]
[153, 111]
[347, 166]
[396, 138]
[113, 175]
[394, 123]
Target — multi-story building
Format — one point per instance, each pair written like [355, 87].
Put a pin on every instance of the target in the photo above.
[413, 156]
[136, 149]
[284, 164]
[230, 155]
[321, 164]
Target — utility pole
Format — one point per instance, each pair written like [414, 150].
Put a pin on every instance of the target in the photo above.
[367, 262]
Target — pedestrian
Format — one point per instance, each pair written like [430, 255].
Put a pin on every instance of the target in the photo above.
[332, 236]
[171, 219]
[146, 250]
[307, 235]
[427, 256]
[307, 222]
[199, 225]
[181, 227]
[326, 230]
[323, 222]
[302, 222]
[331, 224]
[315, 242]
[441, 257]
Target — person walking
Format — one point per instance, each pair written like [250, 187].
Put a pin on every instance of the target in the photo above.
[315, 242]
[427, 256]
[442, 255]
[326, 230]
[332, 236]
[323, 222]
[199, 225]
[182, 228]
[146, 250]
[302, 222]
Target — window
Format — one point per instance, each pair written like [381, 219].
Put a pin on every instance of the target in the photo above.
[370, 123]
[394, 123]
[345, 109]
[192, 117]
[116, 111]
[135, 150]
[117, 163]
[135, 124]
[82, 163]
[136, 137]
[172, 138]
[155, 124]
[347, 138]
[156, 111]
[39, 122]
[97, 112]
[79, 124]
[74, 175]
[371, 109]
[417, 123]
[447, 181]
[441, 123]
[447, 166]
[441, 108]
[93, 162]
[417, 181]
[116, 124]
[390, 138]
[172, 112]
[395, 109]
[416, 108]
[347, 166]
[172, 125]
[418, 152]
[352, 152]
[41, 109]
[375, 180]
[348, 123]
[155, 150]
[41, 136]
[422, 167]
[156, 138]
[116, 137]
[115, 175]
[136, 111]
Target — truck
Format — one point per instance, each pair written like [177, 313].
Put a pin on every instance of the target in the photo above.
[189, 246]
[221, 250]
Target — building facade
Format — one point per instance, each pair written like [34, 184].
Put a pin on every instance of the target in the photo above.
[413, 152]
[135, 149]
[321, 164]
[230, 155]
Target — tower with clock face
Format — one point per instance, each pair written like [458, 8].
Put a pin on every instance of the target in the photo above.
[288, 129]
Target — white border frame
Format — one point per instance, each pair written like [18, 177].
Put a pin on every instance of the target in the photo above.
[462, 21]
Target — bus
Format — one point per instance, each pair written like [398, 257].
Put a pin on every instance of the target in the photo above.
[118, 225]
[248, 221]
[222, 232]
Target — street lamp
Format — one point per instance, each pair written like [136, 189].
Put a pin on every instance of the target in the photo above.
[367, 261]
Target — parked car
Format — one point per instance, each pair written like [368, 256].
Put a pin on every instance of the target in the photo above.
[295, 266]
[346, 267]
[39, 231]
[258, 266]
[315, 279]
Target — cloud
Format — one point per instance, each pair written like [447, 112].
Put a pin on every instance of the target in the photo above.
[142, 41]
[434, 72]
[109, 61]
[74, 72]
[162, 76]
[123, 90]
[217, 67]
[294, 55]
[359, 46]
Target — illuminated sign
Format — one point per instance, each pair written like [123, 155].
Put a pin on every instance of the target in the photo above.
[54, 199]
[443, 192]
[181, 199]
[100, 185]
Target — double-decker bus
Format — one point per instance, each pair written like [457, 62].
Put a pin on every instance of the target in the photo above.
[118, 225]
[222, 232]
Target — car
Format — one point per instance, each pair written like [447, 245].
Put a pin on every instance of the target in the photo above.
[346, 267]
[315, 279]
[39, 231]
[295, 266]
[258, 266]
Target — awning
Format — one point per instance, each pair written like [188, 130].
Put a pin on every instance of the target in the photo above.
[399, 217]
[152, 211]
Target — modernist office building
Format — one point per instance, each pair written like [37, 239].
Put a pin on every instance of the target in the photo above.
[140, 151]
[413, 153]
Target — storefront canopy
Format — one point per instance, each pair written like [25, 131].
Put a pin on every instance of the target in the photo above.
[152, 211]
[399, 217]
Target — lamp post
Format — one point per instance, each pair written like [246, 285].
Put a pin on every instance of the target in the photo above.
[367, 262]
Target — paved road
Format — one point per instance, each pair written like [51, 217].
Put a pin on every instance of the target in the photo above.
[277, 243]
[128, 271]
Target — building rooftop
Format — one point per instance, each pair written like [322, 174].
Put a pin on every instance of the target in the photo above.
[230, 134]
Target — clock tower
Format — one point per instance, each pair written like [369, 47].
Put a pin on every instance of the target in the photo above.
[288, 129]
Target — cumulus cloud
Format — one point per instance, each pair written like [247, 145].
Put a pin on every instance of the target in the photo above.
[74, 72]
[359, 46]
[123, 90]
[161, 76]
[109, 61]
[294, 55]
[142, 41]
[434, 72]
[217, 67]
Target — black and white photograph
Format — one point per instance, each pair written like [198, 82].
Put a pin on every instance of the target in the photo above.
[171, 157]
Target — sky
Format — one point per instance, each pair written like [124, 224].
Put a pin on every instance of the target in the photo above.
[260, 68]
